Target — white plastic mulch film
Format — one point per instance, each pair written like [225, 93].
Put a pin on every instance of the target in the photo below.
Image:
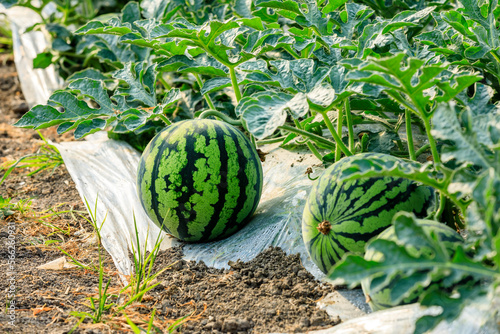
[37, 84]
[107, 168]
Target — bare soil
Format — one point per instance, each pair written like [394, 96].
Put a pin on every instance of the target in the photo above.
[272, 293]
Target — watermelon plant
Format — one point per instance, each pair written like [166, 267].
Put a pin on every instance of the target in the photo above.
[200, 180]
[340, 217]
[414, 79]
[68, 52]
[396, 290]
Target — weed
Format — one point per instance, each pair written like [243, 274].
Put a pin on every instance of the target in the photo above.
[141, 280]
[137, 330]
[99, 305]
[47, 157]
[6, 207]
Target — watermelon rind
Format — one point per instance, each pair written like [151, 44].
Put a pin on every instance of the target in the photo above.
[200, 180]
[341, 216]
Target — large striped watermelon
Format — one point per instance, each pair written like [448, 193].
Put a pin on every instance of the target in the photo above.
[200, 180]
[340, 217]
[380, 299]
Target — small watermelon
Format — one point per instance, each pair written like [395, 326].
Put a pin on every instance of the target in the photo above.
[200, 180]
[382, 298]
[340, 217]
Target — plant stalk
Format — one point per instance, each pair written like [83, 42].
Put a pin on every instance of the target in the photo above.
[310, 145]
[224, 117]
[422, 149]
[442, 204]
[350, 127]
[309, 135]
[271, 141]
[336, 137]
[164, 119]
[234, 82]
[432, 142]
[314, 150]
[206, 96]
[340, 121]
[164, 82]
[409, 135]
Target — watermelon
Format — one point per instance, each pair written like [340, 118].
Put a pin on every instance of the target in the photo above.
[200, 180]
[381, 299]
[340, 217]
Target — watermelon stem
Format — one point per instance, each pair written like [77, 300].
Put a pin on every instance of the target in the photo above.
[309, 135]
[350, 129]
[206, 96]
[336, 137]
[340, 121]
[310, 145]
[432, 142]
[224, 117]
[165, 119]
[442, 204]
[308, 172]
[234, 82]
[271, 140]
[324, 227]
[422, 149]
[409, 135]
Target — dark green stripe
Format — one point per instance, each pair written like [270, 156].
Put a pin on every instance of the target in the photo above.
[222, 186]
[186, 213]
[242, 161]
[156, 167]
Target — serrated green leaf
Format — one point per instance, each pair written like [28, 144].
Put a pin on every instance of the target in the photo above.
[474, 11]
[89, 73]
[480, 103]
[456, 85]
[410, 234]
[260, 42]
[94, 90]
[412, 80]
[60, 45]
[8, 3]
[215, 84]
[154, 9]
[332, 5]
[113, 27]
[451, 306]
[264, 112]
[243, 8]
[313, 17]
[288, 5]
[201, 64]
[465, 147]
[89, 126]
[140, 80]
[356, 15]
[383, 142]
[171, 97]
[77, 114]
[43, 60]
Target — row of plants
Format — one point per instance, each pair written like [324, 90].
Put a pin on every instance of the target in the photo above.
[338, 77]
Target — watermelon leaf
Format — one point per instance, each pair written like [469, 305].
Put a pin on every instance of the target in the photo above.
[451, 306]
[399, 258]
[467, 136]
[264, 112]
[141, 81]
